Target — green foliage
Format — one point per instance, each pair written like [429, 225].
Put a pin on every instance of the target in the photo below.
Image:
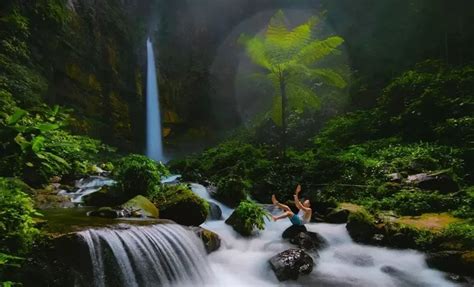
[248, 216]
[416, 202]
[36, 146]
[290, 59]
[139, 175]
[231, 190]
[461, 233]
[181, 204]
[16, 218]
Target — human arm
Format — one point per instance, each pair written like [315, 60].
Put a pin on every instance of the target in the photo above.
[298, 203]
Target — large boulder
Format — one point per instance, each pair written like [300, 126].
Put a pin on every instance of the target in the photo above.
[361, 227]
[337, 215]
[142, 205]
[291, 263]
[459, 262]
[440, 181]
[309, 241]
[211, 240]
[183, 206]
[231, 190]
[293, 231]
[105, 212]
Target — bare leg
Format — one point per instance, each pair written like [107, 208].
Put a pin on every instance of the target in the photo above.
[282, 206]
[283, 215]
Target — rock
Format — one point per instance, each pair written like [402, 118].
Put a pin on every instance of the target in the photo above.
[338, 215]
[440, 181]
[458, 262]
[291, 263]
[105, 196]
[361, 227]
[142, 204]
[215, 212]
[455, 278]
[395, 177]
[231, 190]
[183, 206]
[211, 240]
[363, 260]
[293, 231]
[309, 241]
[238, 224]
[106, 212]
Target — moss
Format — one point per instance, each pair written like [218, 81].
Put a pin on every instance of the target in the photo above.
[179, 203]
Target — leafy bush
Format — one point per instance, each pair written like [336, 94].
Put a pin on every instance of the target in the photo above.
[416, 202]
[16, 217]
[246, 217]
[138, 175]
[181, 204]
[231, 190]
[461, 233]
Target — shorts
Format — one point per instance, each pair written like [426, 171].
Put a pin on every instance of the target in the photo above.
[296, 220]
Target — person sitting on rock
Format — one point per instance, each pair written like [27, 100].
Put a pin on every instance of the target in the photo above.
[303, 217]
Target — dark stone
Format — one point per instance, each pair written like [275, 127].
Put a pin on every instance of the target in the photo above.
[458, 262]
[440, 181]
[293, 231]
[238, 224]
[455, 278]
[215, 212]
[363, 260]
[309, 241]
[291, 263]
[211, 240]
[401, 277]
[338, 216]
[106, 212]
[361, 230]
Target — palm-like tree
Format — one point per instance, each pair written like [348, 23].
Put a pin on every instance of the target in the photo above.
[290, 60]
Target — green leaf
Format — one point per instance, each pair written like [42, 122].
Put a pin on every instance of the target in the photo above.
[317, 50]
[46, 127]
[22, 142]
[17, 115]
[37, 143]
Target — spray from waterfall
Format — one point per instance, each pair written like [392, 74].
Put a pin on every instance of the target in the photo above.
[159, 255]
[154, 144]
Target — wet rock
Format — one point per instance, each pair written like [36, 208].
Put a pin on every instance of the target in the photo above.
[211, 240]
[440, 181]
[309, 241]
[105, 212]
[215, 212]
[338, 215]
[293, 231]
[458, 262]
[456, 278]
[291, 263]
[401, 277]
[395, 177]
[361, 227]
[142, 205]
[363, 260]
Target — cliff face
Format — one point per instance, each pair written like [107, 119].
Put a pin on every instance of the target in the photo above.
[83, 54]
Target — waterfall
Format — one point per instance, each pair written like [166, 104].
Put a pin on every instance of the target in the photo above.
[158, 255]
[154, 148]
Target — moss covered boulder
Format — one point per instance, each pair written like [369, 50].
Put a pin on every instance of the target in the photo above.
[211, 240]
[361, 226]
[142, 205]
[247, 217]
[180, 204]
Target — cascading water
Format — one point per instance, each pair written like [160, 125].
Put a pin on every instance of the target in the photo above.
[158, 255]
[244, 261]
[154, 148]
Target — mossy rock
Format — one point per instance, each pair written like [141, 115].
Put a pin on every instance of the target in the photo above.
[106, 196]
[142, 204]
[183, 206]
[210, 239]
[361, 226]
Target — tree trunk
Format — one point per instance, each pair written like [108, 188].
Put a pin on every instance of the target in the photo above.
[284, 102]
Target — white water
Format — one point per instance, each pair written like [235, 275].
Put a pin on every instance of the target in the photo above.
[244, 262]
[86, 186]
[158, 255]
[154, 145]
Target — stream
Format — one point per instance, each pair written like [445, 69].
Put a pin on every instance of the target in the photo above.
[244, 261]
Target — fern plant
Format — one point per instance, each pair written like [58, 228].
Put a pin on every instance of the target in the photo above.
[290, 61]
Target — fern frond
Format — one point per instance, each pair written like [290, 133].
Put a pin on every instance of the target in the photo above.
[256, 50]
[329, 77]
[317, 50]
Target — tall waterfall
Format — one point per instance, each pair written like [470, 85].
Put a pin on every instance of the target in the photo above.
[158, 255]
[154, 148]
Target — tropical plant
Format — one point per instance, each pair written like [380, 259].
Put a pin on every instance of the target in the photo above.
[247, 216]
[291, 60]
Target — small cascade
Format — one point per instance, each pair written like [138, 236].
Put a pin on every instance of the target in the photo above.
[158, 255]
[154, 145]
